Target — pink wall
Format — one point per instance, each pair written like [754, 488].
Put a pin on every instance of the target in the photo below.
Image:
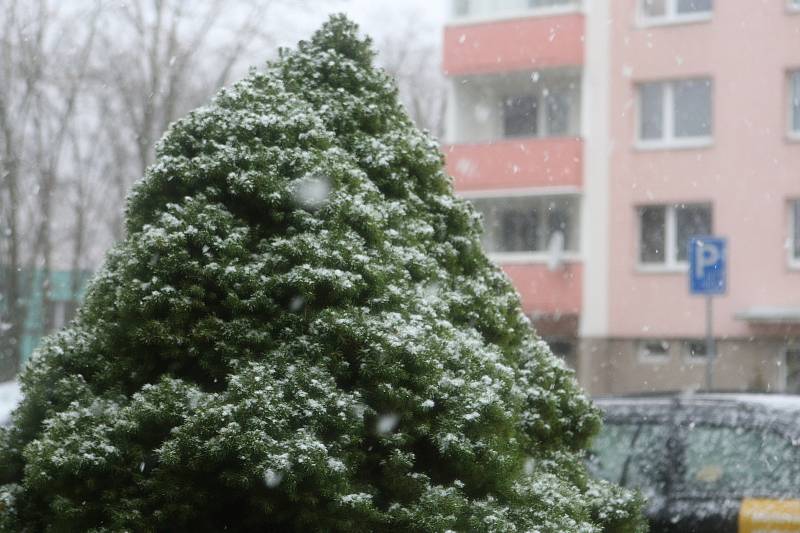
[748, 174]
[516, 163]
[545, 291]
[518, 44]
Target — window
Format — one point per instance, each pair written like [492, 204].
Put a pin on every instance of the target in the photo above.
[794, 5]
[675, 112]
[461, 8]
[794, 233]
[520, 116]
[557, 109]
[563, 349]
[550, 3]
[695, 349]
[654, 349]
[665, 230]
[492, 8]
[675, 11]
[742, 461]
[523, 116]
[514, 105]
[794, 103]
[632, 455]
[792, 365]
[61, 312]
[528, 224]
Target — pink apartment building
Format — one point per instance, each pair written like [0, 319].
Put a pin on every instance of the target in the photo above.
[596, 137]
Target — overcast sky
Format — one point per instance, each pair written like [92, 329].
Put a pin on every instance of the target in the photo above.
[377, 17]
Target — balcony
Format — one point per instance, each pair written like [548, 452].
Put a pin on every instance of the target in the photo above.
[514, 164]
[514, 44]
[547, 292]
[535, 238]
[472, 10]
[515, 130]
[532, 103]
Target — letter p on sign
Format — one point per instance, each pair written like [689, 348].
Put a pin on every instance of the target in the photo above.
[707, 265]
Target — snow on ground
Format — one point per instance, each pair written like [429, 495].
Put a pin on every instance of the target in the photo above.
[10, 396]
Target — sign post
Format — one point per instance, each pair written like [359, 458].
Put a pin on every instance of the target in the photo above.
[707, 276]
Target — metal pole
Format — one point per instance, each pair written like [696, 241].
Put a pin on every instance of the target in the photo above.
[710, 348]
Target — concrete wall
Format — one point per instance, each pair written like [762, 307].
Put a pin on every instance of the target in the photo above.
[616, 366]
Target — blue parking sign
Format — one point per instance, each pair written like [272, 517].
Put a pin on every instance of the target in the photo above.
[707, 265]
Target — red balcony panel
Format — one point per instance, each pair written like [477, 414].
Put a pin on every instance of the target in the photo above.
[545, 291]
[517, 44]
[509, 164]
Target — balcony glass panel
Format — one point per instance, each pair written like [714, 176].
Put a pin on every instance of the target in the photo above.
[500, 8]
[528, 224]
[527, 104]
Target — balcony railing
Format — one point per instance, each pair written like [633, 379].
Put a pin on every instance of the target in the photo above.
[514, 43]
[517, 163]
[546, 291]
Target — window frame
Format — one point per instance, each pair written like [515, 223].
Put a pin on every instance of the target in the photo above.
[793, 237]
[792, 129]
[671, 262]
[644, 355]
[541, 194]
[669, 140]
[671, 16]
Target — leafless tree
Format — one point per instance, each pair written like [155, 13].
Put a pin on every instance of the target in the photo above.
[38, 101]
[164, 57]
[410, 51]
[86, 89]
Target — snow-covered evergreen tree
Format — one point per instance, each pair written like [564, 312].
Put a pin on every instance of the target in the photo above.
[301, 333]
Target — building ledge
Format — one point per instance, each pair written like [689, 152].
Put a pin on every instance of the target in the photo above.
[516, 163]
[643, 22]
[770, 315]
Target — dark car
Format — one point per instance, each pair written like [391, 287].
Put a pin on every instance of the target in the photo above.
[705, 462]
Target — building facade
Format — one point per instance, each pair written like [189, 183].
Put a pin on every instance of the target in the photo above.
[596, 137]
[49, 302]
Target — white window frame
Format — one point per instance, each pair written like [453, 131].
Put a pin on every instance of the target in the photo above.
[543, 256]
[646, 356]
[669, 141]
[793, 132]
[671, 15]
[793, 260]
[671, 262]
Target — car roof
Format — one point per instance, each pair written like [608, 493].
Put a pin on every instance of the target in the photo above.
[779, 402]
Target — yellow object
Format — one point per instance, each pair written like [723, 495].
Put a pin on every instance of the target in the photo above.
[769, 516]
